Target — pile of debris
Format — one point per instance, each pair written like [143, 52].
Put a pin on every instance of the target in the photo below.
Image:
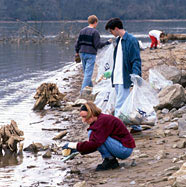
[47, 93]
[10, 135]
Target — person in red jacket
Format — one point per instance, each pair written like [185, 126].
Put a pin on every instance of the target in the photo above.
[107, 134]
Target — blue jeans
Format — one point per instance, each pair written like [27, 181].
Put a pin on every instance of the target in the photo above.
[121, 95]
[113, 148]
[88, 61]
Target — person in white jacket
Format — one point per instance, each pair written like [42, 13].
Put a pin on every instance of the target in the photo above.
[155, 36]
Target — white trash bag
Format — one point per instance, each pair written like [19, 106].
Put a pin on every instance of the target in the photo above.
[138, 107]
[157, 80]
[105, 94]
[105, 100]
[104, 62]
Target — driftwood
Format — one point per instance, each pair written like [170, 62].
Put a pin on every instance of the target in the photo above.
[47, 93]
[173, 37]
[10, 135]
[60, 135]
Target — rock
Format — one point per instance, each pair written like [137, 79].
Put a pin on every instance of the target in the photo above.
[181, 144]
[173, 125]
[143, 156]
[178, 179]
[132, 182]
[80, 184]
[166, 119]
[179, 113]
[170, 73]
[183, 77]
[160, 142]
[175, 160]
[171, 97]
[160, 155]
[183, 157]
[48, 154]
[165, 111]
[75, 170]
[79, 102]
[182, 127]
[168, 133]
[172, 168]
[35, 147]
[159, 134]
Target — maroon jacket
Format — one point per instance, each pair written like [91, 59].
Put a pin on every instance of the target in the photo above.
[104, 126]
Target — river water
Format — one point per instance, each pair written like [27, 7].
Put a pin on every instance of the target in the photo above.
[23, 68]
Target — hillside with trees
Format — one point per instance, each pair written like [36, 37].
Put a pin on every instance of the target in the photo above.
[80, 9]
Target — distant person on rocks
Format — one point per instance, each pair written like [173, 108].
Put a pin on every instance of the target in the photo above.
[155, 36]
[126, 61]
[107, 134]
[86, 46]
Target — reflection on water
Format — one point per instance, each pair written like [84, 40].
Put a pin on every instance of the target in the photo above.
[10, 159]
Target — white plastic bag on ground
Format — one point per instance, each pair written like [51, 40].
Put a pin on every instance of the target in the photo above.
[138, 107]
[157, 80]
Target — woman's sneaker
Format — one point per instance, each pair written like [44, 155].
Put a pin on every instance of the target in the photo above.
[108, 164]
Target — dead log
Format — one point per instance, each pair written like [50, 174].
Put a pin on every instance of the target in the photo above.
[60, 135]
[10, 136]
[173, 37]
[47, 93]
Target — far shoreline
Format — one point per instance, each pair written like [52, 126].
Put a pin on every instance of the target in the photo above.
[84, 21]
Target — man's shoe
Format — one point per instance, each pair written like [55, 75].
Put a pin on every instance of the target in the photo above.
[108, 164]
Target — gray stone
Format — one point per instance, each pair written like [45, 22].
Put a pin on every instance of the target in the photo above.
[168, 133]
[165, 111]
[48, 154]
[171, 97]
[170, 73]
[178, 179]
[80, 184]
[182, 127]
[181, 144]
[160, 155]
[173, 125]
[183, 78]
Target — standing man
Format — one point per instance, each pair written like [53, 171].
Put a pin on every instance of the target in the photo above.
[155, 37]
[126, 61]
[87, 45]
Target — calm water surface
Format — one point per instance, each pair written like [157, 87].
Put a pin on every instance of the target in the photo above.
[25, 67]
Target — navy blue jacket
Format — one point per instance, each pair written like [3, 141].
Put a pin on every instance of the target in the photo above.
[89, 41]
[131, 58]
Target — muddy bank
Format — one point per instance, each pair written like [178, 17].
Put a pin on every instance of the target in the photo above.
[155, 152]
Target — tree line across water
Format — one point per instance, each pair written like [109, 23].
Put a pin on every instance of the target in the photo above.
[80, 9]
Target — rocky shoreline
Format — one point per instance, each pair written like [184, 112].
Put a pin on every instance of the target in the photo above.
[160, 152]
